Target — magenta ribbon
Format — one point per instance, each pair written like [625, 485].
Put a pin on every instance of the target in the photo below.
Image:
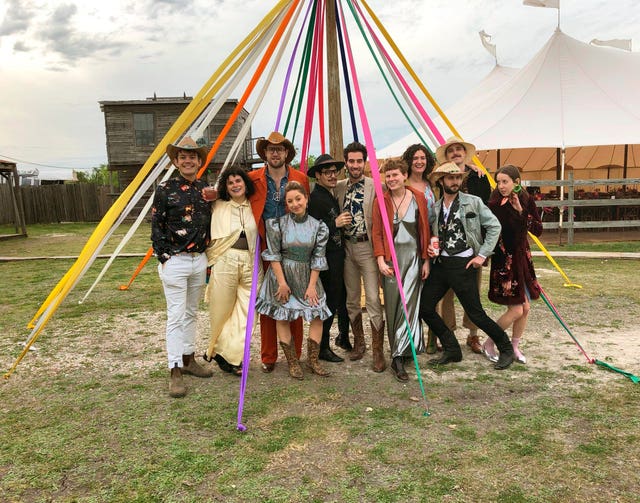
[312, 89]
[251, 315]
[373, 162]
[285, 86]
[409, 91]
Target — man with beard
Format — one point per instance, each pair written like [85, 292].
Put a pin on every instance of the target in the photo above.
[267, 202]
[477, 184]
[356, 195]
[324, 206]
[460, 220]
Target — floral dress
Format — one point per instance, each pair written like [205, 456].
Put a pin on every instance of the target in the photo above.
[513, 278]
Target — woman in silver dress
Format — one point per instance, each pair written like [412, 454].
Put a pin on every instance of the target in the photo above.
[292, 288]
[409, 221]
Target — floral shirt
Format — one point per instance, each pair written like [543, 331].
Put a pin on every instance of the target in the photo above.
[354, 204]
[180, 218]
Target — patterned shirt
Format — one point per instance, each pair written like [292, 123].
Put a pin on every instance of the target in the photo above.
[451, 231]
[274, 206]
[180, 218]
[354, 204]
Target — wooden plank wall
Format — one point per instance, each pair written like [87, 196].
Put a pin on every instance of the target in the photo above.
[76, 202]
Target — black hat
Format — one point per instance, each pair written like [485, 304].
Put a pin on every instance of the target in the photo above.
[323, 161]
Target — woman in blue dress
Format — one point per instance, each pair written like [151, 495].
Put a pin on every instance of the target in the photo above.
[292, 288]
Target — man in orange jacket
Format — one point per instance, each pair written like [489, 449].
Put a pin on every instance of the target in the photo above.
[268, 202]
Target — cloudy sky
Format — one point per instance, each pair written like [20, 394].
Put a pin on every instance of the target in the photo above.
[59, 58]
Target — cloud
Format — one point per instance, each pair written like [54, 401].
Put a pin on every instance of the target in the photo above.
[20, 46]
[61, 38]
[17, 18]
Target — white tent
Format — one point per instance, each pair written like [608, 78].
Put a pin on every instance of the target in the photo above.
[571, 94]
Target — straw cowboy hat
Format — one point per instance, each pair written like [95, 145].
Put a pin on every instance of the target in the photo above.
[275, 138]
[324, 161]
[448, 168]
[470, 148]
[189, 145]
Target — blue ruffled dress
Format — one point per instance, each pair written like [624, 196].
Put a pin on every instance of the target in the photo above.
[298, 243]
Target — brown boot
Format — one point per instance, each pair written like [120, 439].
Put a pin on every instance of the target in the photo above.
[359, 346]
[473, 341]
[377, 347]
[192, 367]
[295, 370]
[177, 388]
[313, 349]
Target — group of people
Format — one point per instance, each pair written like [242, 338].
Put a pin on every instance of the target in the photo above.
[321, 249]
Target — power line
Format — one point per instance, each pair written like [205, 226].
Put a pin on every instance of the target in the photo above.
[38, 164]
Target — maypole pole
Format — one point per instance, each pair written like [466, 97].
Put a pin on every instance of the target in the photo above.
[333, 82]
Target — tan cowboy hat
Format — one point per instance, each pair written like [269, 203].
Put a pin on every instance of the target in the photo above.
[324, 161]
[189, 145]
[448, 168]
[275, 138]
[442, 149]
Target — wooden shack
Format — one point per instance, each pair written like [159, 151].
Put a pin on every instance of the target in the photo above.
[11, 207]
[134, 127]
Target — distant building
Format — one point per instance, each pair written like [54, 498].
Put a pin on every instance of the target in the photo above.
[134, 128]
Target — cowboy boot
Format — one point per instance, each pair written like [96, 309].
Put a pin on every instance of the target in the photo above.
[177, 389]
[359, 346]
[377, 347]
[192, 367]
[473, 341]
[342, 340]
[397, 366]
[432, 343]
[326, 353]
[313, 348]
[295, 370]
[451, 351]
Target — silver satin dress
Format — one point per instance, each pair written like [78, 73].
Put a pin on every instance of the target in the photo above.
[299, 245]
[410, 263]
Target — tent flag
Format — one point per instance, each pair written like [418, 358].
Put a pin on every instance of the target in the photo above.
[552, 4]
[618, 43]
[485, 38]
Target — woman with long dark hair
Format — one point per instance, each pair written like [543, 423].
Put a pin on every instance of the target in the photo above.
[513, 279]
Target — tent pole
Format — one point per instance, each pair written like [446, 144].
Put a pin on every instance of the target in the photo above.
[624, 166]
[561, 192]
[497, 159]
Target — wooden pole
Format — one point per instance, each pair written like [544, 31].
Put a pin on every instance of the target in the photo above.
[336, 144]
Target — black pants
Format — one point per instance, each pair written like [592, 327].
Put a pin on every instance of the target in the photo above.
[333, 283]
[451, 272]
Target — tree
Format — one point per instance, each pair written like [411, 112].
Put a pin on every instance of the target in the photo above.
[99, 175]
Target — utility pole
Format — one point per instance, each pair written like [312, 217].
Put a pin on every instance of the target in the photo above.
[336, 143]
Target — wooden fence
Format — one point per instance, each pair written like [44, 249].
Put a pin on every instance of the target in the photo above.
[608, 210]
[73, 202]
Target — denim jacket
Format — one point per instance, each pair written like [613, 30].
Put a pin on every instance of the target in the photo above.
[475, 217]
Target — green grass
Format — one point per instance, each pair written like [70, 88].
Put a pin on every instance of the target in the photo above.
[86, 417]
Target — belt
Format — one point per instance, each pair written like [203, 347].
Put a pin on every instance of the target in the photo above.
[358, 239]
[193, 254]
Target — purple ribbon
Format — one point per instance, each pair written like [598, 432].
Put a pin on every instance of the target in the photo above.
[251, 315]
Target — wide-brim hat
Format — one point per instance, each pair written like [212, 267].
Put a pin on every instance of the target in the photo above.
[448, 168]
[323, 161]
[275, 138]
[441, 151]
[187, 143]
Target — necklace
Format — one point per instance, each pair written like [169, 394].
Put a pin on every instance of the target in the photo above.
[398, 206]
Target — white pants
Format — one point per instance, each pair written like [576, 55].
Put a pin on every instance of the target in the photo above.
[183, 277]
